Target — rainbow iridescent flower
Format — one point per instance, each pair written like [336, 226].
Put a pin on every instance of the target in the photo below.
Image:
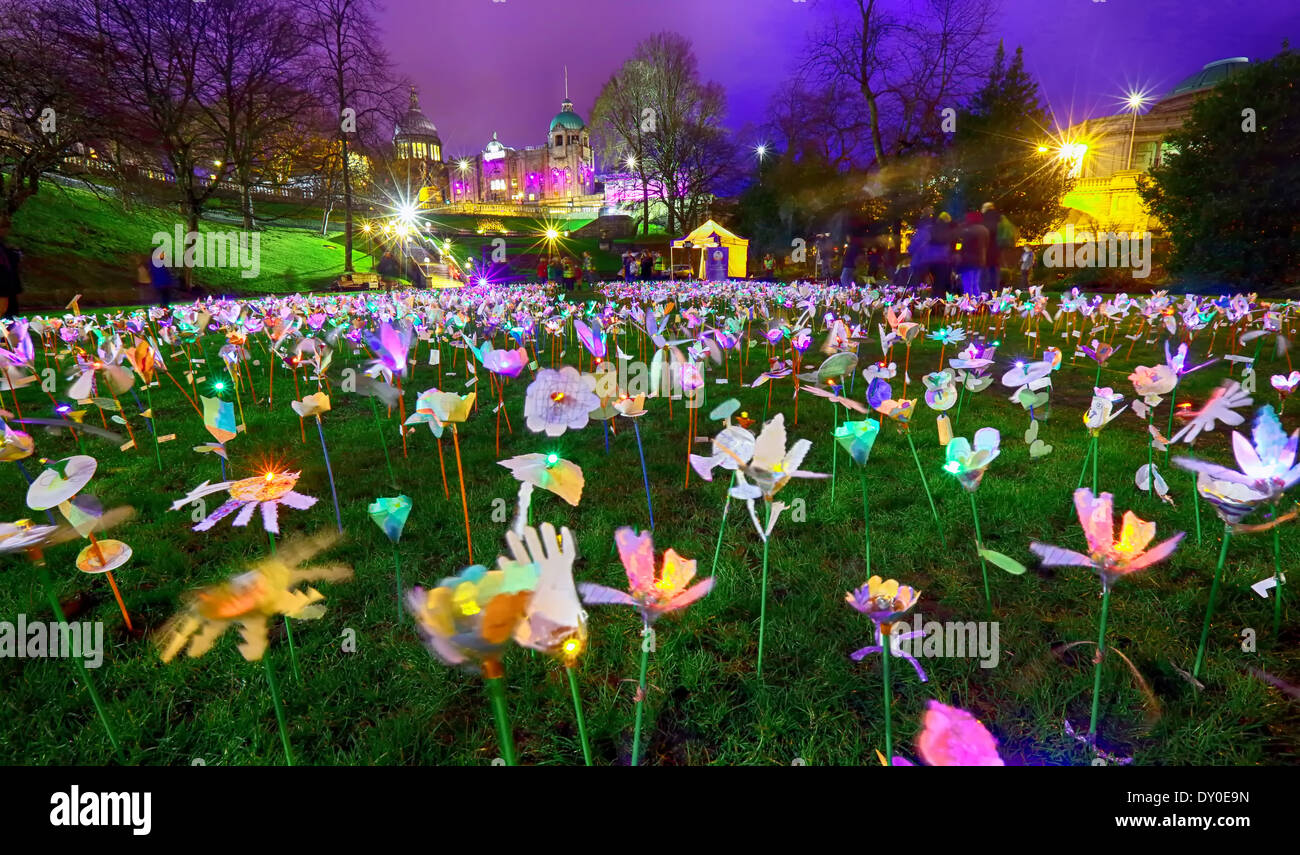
[858, 438]
[969, 463]
[438, 409]
[1267, 461]
[468, 620]
[1112, 559]
[653, 593]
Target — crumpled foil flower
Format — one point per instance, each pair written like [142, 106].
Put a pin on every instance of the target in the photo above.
[560, 400]
[653, 593]
[1111, 558]
[468, 620]
[250, 599]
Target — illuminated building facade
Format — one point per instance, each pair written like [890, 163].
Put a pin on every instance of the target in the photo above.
[1109, 154]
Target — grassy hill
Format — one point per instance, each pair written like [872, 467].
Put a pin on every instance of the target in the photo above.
[78, 242]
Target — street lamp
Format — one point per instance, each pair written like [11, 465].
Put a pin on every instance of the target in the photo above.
[1133, 102]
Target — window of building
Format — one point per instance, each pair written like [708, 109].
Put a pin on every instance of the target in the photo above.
[1144, 155]
[559, 139]
[437, 152]
[498, 184]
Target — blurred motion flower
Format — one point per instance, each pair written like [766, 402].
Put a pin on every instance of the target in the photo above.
[468, 619]
[953, 737]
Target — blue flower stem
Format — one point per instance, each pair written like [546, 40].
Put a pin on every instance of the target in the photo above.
[1101, 657]
[645, 478]
[156, 453]
[1209, 607]
[329, 470]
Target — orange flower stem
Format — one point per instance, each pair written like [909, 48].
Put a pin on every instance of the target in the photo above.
[460, 473]
[121, 605]
[446, 493]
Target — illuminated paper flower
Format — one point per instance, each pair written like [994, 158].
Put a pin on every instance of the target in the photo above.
[948, 335]
[506, 363]
[550, 472]
[953, 737]
[312, 405]
[268, 492]
[390, 515]
[1232, 501]
[438, 409]
[390, 347]
[858, 438]
[103, 556]
[15, 445]
[143, 359]
[1285, 384]
[1099, 352]
[23, 536]
[468, 620]
[1101, 411]
[592, 337]
[1111, 558]
[969, 463]
[653, 593]
[60, 482]
[250, 599]
[560, 400]
[219, 419]
[1152, 383]
[554, 621]
[1267, 465]
[884, 601]
[1221, 406]
[940, 390]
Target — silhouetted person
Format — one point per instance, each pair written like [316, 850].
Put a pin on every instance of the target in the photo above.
[993, 254]
[973, 255]
[11, 282]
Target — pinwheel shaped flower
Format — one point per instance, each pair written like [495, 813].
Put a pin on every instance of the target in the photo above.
[251, 599]
[267, 492]
[560, 400]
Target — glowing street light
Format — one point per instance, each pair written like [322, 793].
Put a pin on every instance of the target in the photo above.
[761, 151]
[1134, 101]
[631, 162]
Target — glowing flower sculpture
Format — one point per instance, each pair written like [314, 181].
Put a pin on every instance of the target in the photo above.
[651, 592]
[267, 492]
[438, 409]
[468, 620]
[953, 737]
[884, 601]
[560, 400]
[1112, 559]
[969, 462]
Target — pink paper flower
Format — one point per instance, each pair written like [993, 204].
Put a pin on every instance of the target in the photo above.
[653, 593]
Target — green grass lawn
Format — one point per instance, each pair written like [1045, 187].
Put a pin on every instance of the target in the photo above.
[78, 242]
[390, 702]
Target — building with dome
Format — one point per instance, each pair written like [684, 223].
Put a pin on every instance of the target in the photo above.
[1109, 154]
[418, 151]
[563, 170]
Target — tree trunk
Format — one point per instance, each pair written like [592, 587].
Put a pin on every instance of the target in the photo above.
[347, 210]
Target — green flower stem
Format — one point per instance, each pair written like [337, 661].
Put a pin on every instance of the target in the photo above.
[979, 545]
[1087, 455]
[762, 608]
[1209, 607]
[889, 721]
[1101, 657]
[640, 696]
[497, 695]
[1196, 501]
[926, 485]
[382, 444]
[835, 448]
[279, 710]
[866, 519]
[1277, 574]
[288, 626]
[577, 710]
[153, 425]
[85, 673]
[722, 526]
[397, 565]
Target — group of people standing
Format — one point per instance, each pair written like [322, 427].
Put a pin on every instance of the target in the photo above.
[566, 269]
[642, 265]
[971, 249]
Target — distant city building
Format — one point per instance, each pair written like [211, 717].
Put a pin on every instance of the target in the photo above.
[561, 170]
[1109, 154]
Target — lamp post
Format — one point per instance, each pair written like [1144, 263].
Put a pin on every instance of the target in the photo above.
[1134, 101]
[760, 151]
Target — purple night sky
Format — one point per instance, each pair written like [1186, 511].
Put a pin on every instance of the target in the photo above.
[484, 66]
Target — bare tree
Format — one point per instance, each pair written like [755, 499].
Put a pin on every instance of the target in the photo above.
[621, 123]
[254, 86]
[40, 113]
[356, 82]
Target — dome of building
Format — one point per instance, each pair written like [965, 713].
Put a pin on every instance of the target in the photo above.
[414, 124]
[1212, 74]
[567, 119]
